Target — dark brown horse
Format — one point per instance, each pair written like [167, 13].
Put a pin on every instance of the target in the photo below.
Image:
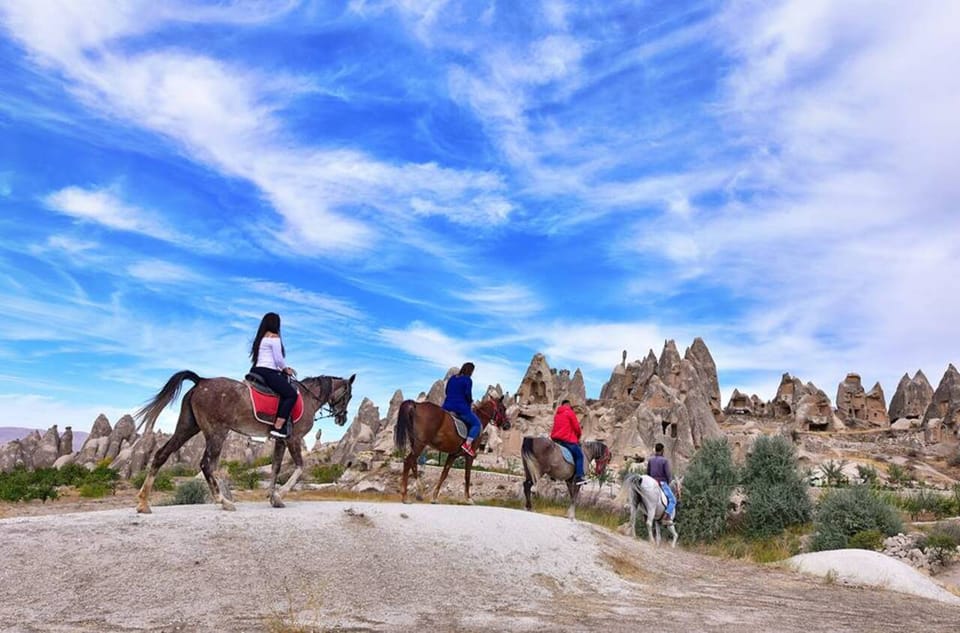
[543, 457]
[423, 424]
[216, 406]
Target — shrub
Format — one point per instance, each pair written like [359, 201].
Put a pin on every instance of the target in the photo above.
[775, 488]
[841, 514]
[163, 481]
[707, 485]
[927, 502]
[871, 539]
[833, 473]
[868, 474]
[262, 461]
[191, 492]
[941, 547]
[95, 489]
[898, 474]
[243, 475]
[181, 470]
[326, 473]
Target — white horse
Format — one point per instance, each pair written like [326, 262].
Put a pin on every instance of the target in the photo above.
[645, 489]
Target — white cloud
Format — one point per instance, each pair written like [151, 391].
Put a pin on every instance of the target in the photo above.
[225, 116]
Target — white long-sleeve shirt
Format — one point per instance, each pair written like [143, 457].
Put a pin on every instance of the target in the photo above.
[271, 353]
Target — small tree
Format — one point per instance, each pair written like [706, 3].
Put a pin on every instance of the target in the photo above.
[833, 473]
[709, 481]
[842, 514]
[775, 488]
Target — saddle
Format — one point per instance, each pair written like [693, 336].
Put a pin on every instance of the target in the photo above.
[266, 401]
[565, 452]
[460, 424]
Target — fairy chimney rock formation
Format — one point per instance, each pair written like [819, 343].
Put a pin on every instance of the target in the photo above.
[912, 397]
[361, 434]
[877, 407]
[95, 448]
[47, 450]
[701, 358]
[384, 439]
[668, 367]
[123, 434]
[538, 385]
[739, 404]
[941, 421]
[66, 442]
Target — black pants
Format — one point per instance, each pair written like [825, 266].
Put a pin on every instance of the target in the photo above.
[277, 381]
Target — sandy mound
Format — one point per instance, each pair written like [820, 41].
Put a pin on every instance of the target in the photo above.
[389, 567]
[863, 567]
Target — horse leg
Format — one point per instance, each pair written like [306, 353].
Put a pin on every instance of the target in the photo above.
[633, 512]
[417, 451]
[466, 480]
[296, 452]
[673, 531]
[407, 466]
[651, 517]
[275, 499]
[211, 456]
[527, 485]
[446, 469]
[186, 428]
[574, 491]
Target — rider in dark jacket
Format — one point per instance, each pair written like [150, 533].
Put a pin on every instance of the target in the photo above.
[459, 400]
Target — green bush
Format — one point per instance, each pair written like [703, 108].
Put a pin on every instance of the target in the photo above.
[191, 492]
[868, 475]
[163, 481]
[833, 473]
[927, 502]
[242, 475]
[180, 470]
[940, 546]
[326, 473]
[775, 488]
[95, 489]
[709, 481]
[841, 514]
[262, 461]
[871, 539]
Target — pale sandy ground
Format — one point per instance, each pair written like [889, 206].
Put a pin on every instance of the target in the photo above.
[358, 566]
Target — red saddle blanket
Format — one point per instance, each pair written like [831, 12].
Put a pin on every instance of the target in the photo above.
[265, 407]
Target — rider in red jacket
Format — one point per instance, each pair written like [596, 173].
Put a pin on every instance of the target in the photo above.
[566, 432]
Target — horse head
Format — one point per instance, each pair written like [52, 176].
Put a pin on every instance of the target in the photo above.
[333, 392]
[601, 457]
[496, 413]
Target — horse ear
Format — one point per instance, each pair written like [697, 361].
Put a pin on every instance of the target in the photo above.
[352, 378]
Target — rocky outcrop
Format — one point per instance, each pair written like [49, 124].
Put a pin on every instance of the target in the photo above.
[941, 421]
[361, 434]
[537, 386]
[124, 433]
[741, 404]
[95, 448]
[701, 358]
[11, 456]
[854, 404]
[47, 450]
[66, 442]
[912, 397]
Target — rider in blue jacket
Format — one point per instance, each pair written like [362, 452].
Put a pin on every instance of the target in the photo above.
[459, 400]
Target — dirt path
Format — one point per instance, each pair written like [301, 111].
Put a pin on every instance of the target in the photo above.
[359, 566]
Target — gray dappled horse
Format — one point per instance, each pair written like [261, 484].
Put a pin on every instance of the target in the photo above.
[216, 406]
[646, 490]
[543, 457]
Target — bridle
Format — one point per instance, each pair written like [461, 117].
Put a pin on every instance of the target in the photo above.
[602, 460]
[326, 383]
[497, 418]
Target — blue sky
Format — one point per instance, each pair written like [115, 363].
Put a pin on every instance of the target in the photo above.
[417, 183]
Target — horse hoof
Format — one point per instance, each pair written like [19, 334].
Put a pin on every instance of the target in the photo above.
[228, 506]
[144, 509]
[433, 501]
[276, 501]
[469, 502]
[407, 501]
[419, 497]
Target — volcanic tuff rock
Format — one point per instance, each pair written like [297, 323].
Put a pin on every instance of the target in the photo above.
[912, 397]
[854, 404]
[66, 442]
[360, 435]
[941, 422]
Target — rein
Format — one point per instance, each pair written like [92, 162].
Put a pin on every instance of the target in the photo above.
[326, 387]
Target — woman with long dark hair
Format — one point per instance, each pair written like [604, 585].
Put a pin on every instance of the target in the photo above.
[459, 392]
[269, 362]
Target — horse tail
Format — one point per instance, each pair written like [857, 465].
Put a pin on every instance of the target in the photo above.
[149, 413]
[531, 469]
[403, 431]
[630, 482]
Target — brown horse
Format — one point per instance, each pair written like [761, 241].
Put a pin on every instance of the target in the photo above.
[423, 424]
[543, 457]
[216, 406]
